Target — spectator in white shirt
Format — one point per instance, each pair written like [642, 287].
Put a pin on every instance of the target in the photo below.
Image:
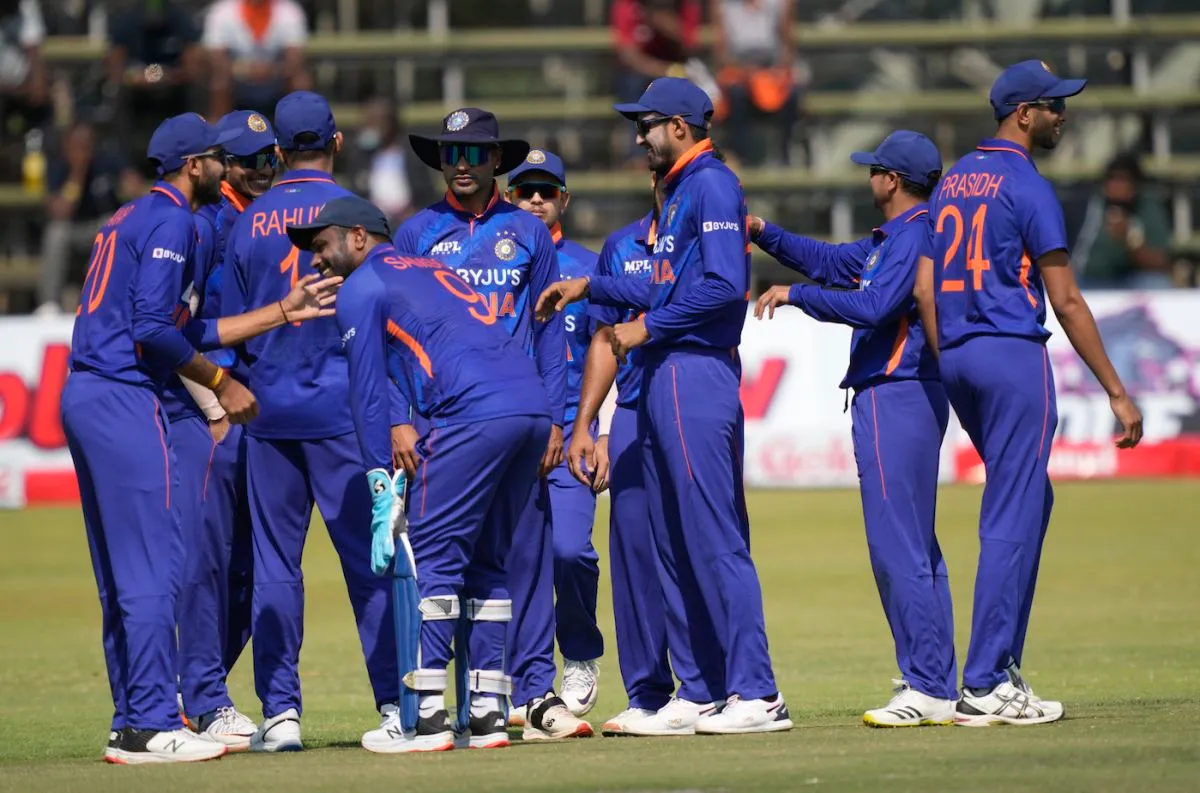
[23, 87]
[257, 51]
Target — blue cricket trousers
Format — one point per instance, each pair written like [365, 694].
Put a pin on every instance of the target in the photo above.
[639, 608]
[1002, 389]
[463, 507]
[693, 452]
[212, 606]
[120, 442]
[898, 428]
[284, 478]
[530, 570]
[576, 566]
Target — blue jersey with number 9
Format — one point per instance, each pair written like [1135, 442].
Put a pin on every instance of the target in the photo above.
[993, 217]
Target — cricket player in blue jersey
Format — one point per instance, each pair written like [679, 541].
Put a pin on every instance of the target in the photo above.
[899, 413]
[130, 334]
[509, 257]
[690, 411]
[302, 449]
[413, 324]
[214, 603]
[539, 186]
[999, 249]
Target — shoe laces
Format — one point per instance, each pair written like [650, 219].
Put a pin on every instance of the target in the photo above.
[580, 674]
[900, 687]
[227, 718]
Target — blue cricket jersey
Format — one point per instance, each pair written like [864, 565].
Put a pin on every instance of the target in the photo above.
[627, 253]
[700, 268]
[417, 322]
[509, 257]
[888, 341]
[575, 261]
[994, 216]
[298, 372]
[131, 326]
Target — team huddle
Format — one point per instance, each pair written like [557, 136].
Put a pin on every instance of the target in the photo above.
[255, 340]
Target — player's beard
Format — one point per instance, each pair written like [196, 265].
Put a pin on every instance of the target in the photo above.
[1045, 133]
[208, 189]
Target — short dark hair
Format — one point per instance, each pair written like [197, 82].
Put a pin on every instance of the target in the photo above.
[299, 156]
[698, 133]
[1127, 164]
[918, 191]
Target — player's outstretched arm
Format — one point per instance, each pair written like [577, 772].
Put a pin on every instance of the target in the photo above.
[826, 263]
[1080, 326]
[312, 297]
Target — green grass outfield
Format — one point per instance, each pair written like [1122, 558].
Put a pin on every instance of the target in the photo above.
[1115, 635]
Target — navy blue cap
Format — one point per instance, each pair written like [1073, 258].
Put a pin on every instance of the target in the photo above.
[254, 132]
[1029, 81]
[300, 112]
[180, 137]
[346, 212]
[908, 153]
[470, 125]
[541, 161]
[672, 96]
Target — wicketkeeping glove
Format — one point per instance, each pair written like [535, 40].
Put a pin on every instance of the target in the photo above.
[387, 501]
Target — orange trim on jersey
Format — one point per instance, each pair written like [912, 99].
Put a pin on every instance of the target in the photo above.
[687, 157]
[1014, 149]
[398, 333]
[898, 346]
[208, 469]
[168, 194]
[652, 234]
[917, 214]
[878, 456]
[235, 198]
[457, 207]
[556, 233]
[1026, 264]
[162, 439]
[298, 180]
[679, 423]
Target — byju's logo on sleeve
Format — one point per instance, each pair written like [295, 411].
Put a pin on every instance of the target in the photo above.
[166, 253]
[721, 225]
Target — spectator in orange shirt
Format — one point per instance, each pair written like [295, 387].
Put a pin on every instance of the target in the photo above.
[755, 54]
[257, 51]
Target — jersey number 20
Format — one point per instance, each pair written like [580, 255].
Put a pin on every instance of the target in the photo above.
[95, 284]
[977, 263]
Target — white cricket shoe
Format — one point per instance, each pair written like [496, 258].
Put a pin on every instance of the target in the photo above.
[516, 716]
[910, 708]
[143, 747]
[677, 717]
[1005, 704]
[580, 685]
[226, 725]
[623, 722]
[548, 719]
[278, 734]
[433, 733]
[746, 716]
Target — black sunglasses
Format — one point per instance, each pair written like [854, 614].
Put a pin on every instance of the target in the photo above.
[475, 154]
[254, 162]
[206, 155]
[527, 190]
[644, 125]
[1056, 106]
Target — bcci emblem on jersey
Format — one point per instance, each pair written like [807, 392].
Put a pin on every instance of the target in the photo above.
[671, 213]
[506, 249]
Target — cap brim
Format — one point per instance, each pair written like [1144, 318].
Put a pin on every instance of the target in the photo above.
[1065, 88]
[864, 158]
[632, 110]
[512, 152]
[302, 236]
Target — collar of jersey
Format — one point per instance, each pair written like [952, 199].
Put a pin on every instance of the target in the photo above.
[996, 144]
[380, 251]
[647, 229]
[893, 225]
[234, 198]
[557, 235]
[462, 210]
[305, 175]
[171, 192]
[690, 156]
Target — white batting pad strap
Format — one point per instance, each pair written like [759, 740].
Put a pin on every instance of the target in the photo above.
[426, 680]
[439, 607]
[489, 681]
[479, 610]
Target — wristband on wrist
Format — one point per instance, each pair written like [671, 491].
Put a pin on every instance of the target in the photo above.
[283, 311]
[217, 378]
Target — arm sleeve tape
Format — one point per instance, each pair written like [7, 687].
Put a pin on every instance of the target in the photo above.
[426, 680]
[205, 399]
[442, 607]
[489, 610]
[489, 681]
[607, 410]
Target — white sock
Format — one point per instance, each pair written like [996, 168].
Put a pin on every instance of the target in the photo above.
[483, 704]
[432, 703]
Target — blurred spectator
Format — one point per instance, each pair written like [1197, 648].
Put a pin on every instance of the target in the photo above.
[152, 66]
[86, 185]
[1125, 239]
[257, 51]
[384, 168]
[24, 94]
[653, 38]
[755, 55]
